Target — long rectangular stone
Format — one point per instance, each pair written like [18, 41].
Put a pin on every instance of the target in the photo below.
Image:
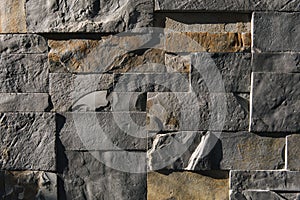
[274, 5]
[103, 131]
[29, 185]
[274, 102]
[293, 152]
[195, 151]
[27, 141]
[276, 32]
[24, 102]
[259, 194]
[24, 73]
[93, 16]
[91, 176]
[90, 92]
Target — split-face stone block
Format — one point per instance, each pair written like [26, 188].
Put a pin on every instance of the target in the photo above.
[293, 152]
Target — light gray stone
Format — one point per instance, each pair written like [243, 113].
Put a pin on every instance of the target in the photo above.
[275, 5]
[27, 141]
[276, 62]
[233, 68]
[103, 131]
[87, 177]
[24, 73]
[24, 102]
[29, 185]
[70, 92]
[293, 152]
[265, 180]
[131, 101]
[22, 43]
[276, 32]
[92, 16]
[175, 82]
[275, 102]
[189, 112]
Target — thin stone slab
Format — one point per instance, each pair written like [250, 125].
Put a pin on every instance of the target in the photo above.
[249, 195]
[275, 102]
[24, 102]
[92, 16]
[293, 152]
[29, 185]
[27, 141]
[103, 131]
[87, 176]
[276, 32]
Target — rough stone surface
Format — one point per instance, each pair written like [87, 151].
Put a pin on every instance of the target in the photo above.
[206, 151]
[265, 180]
[275, 111]
[70, 92]
[28, 185]
[196, 186]
[24, 102]
[208, 42]
[276, 32]
[178, 63]
[12, 16]
[249, 195]
[103, 131]
[271, 5]
[87, 177]
[92, 16]
[189, 112]
[276, 62]
[132, 101]
[27, 141]
[293, 152]
[233, 68]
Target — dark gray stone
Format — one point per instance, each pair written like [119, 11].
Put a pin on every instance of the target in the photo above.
[264, 180]
[276, 32]
[293, 152]
[275, 5]
[24, 73]
[233, 68]
[103, 131]
[275, 102]
[70, 92]
[276, 62]
[92, 16]
[27, 141]
[87, 177]
[24, 102]
[249, 195]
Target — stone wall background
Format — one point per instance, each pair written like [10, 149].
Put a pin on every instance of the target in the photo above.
[66, 63]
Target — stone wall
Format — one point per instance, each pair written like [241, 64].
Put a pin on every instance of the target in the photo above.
[150, 99]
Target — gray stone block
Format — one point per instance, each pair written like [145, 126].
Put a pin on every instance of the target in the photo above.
[131, 101]
[24, 73]
[24, 102]
[276, 62]
[70, 92]
[103, 131]
[92, 16]
[27, 141]
[29, 185]
[293, 152]
[274, 5]
[87, 177]
[275, 102]
[249, 195]
[276, 32]
[234, 70]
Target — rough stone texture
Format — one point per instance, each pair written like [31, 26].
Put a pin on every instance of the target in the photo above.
[161, 82]
[196, 186]
[24, 102]
[275, 111]
[271, 5]
[28, 185]
[178, 63]
[132, 101]
[276, 62]
[27, 141]
[293, 152]
[12, 16]
[92, 16]
[233, 68]
[265, 180]
[206, 151]
[103, 131]
[86, 177]
[189, 112]
[249, 195]
[276, 32]
[208, 42]
[70, 92]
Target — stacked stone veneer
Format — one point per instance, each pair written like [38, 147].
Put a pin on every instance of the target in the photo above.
[63, 63]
